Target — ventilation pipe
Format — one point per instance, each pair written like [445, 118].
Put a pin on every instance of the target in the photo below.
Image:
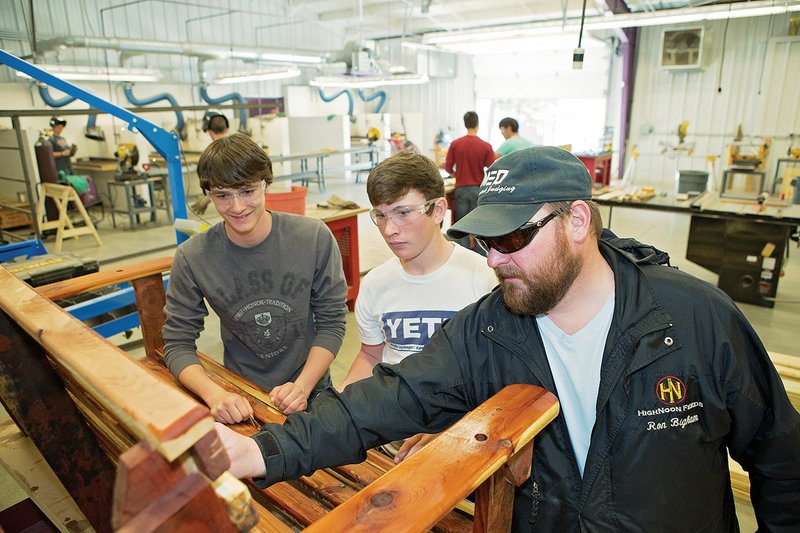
[232, 96]
[44, 92]
[180, 126]
[379, 94]
[91, 130]
[337, 95]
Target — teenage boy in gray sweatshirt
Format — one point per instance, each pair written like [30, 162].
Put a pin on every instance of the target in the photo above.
[274, 279]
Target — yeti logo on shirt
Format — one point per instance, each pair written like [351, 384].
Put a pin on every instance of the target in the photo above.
[410, 331]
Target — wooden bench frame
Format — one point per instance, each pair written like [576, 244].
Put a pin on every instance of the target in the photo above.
[171, 473]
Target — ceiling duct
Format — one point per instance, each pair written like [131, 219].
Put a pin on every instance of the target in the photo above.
[363, 69]
[203, 50]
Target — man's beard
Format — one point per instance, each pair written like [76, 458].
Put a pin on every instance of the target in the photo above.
[544, 289]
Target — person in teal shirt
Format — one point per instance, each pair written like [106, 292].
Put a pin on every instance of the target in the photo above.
[509, 127]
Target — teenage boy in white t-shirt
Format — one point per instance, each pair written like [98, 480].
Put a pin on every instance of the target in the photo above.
[403, 301]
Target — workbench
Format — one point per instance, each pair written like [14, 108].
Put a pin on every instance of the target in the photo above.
[743, 242]
[95, 164]
[598, 165]
[366, 159]
[305, 174]
[128, 190]
[343, 223]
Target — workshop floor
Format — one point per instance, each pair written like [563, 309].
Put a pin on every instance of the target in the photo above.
[666, 231]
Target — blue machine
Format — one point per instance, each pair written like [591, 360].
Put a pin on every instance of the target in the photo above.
[165, 142]
[102, 305]
[24, 249]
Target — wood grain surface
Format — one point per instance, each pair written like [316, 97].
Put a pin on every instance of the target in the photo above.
[427, 484]
[155, 412]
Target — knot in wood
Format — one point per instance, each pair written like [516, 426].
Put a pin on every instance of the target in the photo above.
[381, 499]
[505, 443]
[480, 437]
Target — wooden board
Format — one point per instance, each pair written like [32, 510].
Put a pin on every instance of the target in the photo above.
[27, 467]
[162, 415]
[494, 438]
[99, 280]
[788, 366]
[483, 447]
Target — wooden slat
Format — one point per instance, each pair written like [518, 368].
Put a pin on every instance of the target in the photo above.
[494, 499]
[98, 280]
[329, 486]
[25, 464]
[142, 477]
[375, 466]
[788, 366]
[269, 523]
[40, 406]
[740, 481]
[302, 509]
[429, 483]
[494, 503]
[150, 302]
[163, 415]
[790, 361]
[189, 507]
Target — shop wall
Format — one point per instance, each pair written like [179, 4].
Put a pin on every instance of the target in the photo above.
[749, 77]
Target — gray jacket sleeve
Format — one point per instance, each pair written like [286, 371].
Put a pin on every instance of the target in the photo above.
[185, 316]
[328, 293]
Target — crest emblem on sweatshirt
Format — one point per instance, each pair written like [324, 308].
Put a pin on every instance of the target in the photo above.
[670, 390]
[263, 319]
[261, 324]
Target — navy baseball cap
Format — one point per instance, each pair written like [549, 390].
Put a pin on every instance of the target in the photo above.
[518, 184]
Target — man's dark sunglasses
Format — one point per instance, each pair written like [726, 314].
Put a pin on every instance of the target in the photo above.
[517, 239]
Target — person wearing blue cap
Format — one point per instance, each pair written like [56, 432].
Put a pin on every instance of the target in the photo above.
[658, 374]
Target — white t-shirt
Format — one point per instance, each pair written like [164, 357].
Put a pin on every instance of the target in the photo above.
[575, 362]
[403, 310]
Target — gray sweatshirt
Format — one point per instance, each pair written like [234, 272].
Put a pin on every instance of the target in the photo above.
[275, 300]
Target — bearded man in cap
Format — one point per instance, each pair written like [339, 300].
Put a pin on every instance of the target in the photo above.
[658, 374]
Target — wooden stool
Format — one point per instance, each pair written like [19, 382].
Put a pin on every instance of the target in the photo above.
[62, 195]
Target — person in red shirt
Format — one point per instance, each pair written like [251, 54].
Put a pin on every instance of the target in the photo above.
[467, 158]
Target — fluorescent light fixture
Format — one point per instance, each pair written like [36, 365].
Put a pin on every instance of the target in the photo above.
[291, 58]
[679, 16]
[268, 57]
[420, 46]
[757, 8]
[562, 41]
[84, 73]
[549, 27]
[279, 57]
[257, 75]
[367, 82]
